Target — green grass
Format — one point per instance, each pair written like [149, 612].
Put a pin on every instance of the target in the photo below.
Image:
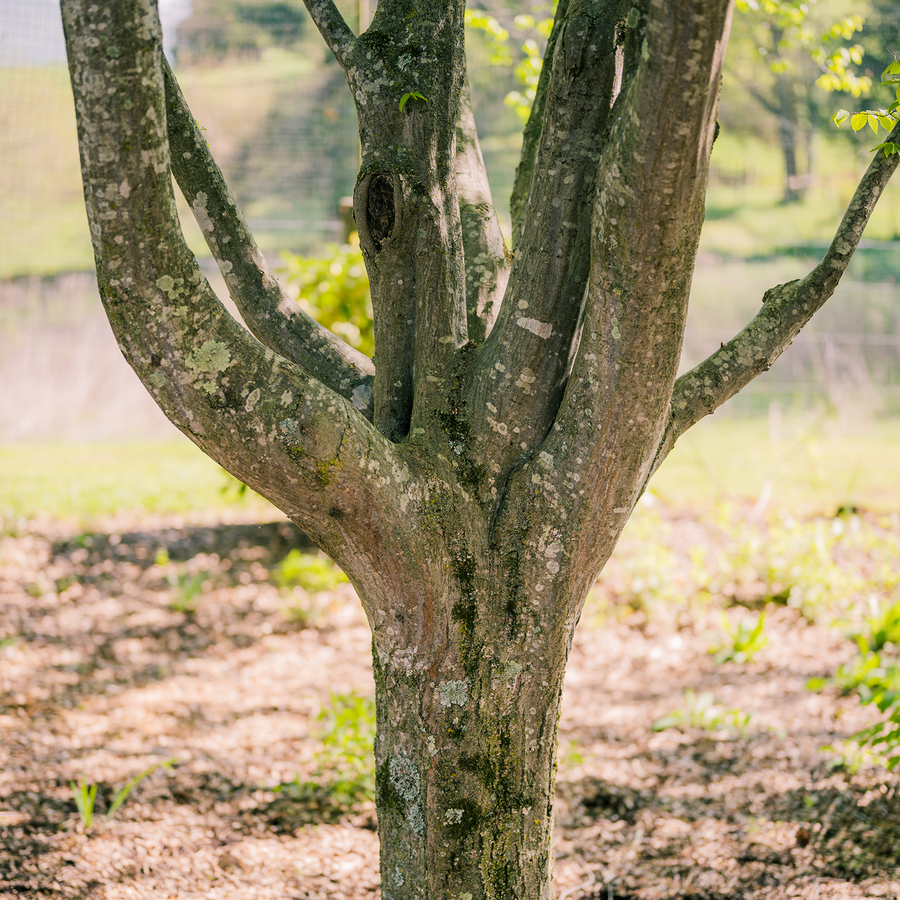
[81, 482]
[810, 464]
[44, 223]
[815, 467]
[750, 219]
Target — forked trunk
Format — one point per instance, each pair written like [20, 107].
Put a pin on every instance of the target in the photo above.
[474, 478]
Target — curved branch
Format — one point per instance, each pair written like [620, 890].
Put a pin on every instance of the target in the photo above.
[334, 30]
[273, 316]
[786, 310]
[487, 263]
[258, 415]
[524, 365]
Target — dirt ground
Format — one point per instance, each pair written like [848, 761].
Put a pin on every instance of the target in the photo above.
[102, 675]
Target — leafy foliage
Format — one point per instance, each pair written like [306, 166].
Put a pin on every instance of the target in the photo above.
[529, 35]
[334, 290]
[744, 641]
[701, 711]
[411, 95]
[875, 118]
[346, 766]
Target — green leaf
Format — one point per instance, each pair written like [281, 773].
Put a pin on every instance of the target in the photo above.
[840, 117]
[411, 95]
[858, 121]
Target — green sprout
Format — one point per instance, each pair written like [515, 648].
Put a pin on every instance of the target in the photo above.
[415, 95]
[743, 642]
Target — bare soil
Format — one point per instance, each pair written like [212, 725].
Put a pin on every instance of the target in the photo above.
[102, 675]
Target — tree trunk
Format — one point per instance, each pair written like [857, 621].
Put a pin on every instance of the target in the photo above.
[788, 129]
[465, 766]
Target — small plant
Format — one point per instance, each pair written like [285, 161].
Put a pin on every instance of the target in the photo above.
[881, 628]
[346, 765]
[868, 674]
[701, 711]
[313, 572]
[85, 795]
[186, 587]
[743, 643]
[411, 95]
[853, 757]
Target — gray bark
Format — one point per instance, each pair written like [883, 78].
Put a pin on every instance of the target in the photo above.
[473, 481]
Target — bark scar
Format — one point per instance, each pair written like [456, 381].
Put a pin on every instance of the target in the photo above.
[377, 210]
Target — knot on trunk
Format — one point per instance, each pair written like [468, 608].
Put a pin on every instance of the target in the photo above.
[377, 210]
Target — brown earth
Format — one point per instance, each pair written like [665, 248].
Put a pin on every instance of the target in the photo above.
[104, 674]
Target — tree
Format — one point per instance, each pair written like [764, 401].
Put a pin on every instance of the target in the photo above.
[798, 41]
[473, 480]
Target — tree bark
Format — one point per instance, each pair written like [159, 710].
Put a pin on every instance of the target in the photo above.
[474, 479]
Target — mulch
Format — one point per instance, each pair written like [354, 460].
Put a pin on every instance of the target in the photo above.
[103, 677]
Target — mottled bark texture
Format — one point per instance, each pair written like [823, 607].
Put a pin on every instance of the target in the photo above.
[474, 479]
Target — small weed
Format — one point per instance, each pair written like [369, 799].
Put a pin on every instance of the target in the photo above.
[853, 757]
[85, 795]
[313, 572]
[866, 673]
[881, 627]
[571, 756]
[743, 643]
[346, 765]
[186, 587]
[701, 711]
[304, 575]
[874, 676]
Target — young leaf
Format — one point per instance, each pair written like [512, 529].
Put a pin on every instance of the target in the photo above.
[858, 120]
[411, 94]
[889, 148]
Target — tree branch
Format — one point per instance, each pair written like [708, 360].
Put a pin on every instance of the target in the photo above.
[649, 206]
[273, 317]
[786, 310]
[531, 137]
[487, 265]
[406, 204]
[262, 418]
[524, 365]
[334, 30]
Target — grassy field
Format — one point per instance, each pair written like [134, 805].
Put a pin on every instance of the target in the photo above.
[81, 482]
[804, 465]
